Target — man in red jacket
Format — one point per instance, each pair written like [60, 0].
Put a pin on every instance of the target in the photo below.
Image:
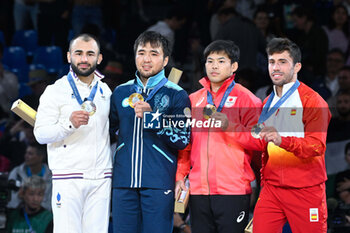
[221, 174]
[295, 121]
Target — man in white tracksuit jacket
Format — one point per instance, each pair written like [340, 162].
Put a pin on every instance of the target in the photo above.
[72, 119]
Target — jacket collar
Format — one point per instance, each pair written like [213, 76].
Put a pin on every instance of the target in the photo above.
[205, 82]
[152, 81]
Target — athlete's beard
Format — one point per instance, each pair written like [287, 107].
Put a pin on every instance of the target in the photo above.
[83, 73]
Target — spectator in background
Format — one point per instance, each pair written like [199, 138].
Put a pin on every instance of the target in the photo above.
[312, 41]
[338, 29]
[25, 14]
[215, 23]
[327, 85]
[33, 165]
[8, 86]
[342, 179]
[174, 20]
[53, 23]
[263, 23]
[344, 86]
[339, 127]
[38, 81]
[86, 12]
[31, 216]
[13, 143]
[244, 33]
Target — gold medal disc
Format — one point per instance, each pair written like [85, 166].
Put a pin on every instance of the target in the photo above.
[89, 106]
[256, 130]
[133, 98]
[208, 111]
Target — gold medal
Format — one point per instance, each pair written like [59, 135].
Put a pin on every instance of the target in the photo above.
[89, 106]
[133, 98]
[208, 111]
[256, 130]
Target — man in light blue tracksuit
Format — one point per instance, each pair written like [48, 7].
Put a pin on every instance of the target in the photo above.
[147, 113]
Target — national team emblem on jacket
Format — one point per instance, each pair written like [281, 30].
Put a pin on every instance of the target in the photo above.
[161, 102]
[58, 203]
[231, 100]
[313, 214]
[293, 112]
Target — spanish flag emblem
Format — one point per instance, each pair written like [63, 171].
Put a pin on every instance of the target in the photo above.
[293, 112]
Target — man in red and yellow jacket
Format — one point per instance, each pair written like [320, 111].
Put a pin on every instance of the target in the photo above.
[293, 170]
[221, 174]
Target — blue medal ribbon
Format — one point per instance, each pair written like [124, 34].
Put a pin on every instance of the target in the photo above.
[223, 100]
[267, 111]
[154, 90]
[28, 222]
[76, 92]
[41, 174]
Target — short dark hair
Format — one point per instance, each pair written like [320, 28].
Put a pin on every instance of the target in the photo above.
[85, 37]
[40, 149]
[177, 12]
[279, 45]
[301, 11]
[337, 50]
[155, 39]
[227, 46]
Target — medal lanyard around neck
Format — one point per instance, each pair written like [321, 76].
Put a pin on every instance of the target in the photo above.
[41, 174]
[76, 92]
[153, 92]
[27, 221]
[223, 100]
[267, 111]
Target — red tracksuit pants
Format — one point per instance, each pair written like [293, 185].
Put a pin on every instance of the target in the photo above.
[304, 208]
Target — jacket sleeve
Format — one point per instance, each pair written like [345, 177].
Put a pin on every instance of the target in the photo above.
[316, 117]
[240, 132]
[48, 127]
[183, 163]
[177, 135]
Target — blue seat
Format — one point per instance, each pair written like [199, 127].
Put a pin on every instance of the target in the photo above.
[2, 38]
[27, 39]
[15, 59]
[50, 57]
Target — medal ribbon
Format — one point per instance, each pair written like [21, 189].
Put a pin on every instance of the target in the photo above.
[223, 100]
[28, 222]
[154, 91]
[76, 92]
[267, 111]
[41, 174]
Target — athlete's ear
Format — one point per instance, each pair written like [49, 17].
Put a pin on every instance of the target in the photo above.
[68, 57]
[99, 59]
[166, 59]
[297, 67]
[234, 67]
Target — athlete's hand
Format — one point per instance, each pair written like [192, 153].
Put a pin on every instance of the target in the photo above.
[179, 185]
[79, 118]
[270, 134]
[219, 116]
[140, 107]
